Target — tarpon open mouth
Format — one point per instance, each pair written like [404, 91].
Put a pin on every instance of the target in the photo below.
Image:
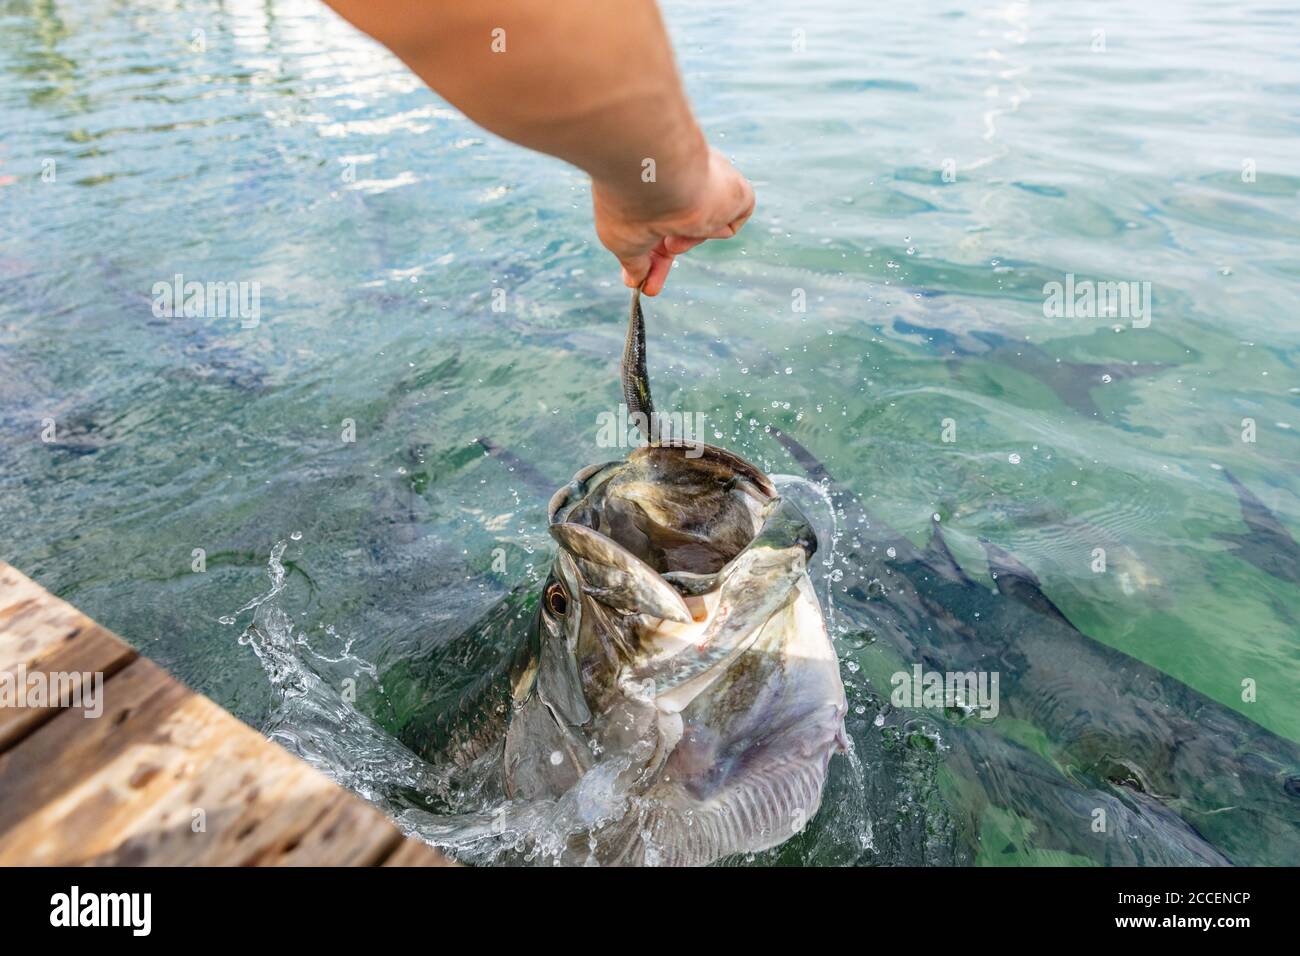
[680, 642]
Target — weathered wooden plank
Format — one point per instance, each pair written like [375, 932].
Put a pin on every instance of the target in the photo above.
[166, 777]
[414, 853]
[163, 776]
[34, 623]
[41, 635]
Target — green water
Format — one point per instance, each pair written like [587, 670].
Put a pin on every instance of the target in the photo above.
[921, 171]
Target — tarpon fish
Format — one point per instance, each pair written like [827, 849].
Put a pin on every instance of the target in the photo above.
[677, 666]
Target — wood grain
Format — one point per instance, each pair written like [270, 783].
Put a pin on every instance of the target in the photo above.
[41, 635]
[163, 776]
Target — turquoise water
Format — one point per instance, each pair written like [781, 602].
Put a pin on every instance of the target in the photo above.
[921, 174]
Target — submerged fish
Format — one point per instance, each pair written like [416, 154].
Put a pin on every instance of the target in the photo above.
[1207, 784]
[676, 683]
[1073, 382]
[1268, 546]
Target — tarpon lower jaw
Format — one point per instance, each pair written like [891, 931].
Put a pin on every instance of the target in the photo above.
[756, 685]
[691, 657]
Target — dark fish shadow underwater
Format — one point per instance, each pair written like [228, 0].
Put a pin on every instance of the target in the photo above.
[1127, 764]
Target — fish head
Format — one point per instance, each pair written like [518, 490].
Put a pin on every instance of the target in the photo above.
[678, 627]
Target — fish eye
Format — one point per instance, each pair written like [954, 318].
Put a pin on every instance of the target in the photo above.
[557, 602]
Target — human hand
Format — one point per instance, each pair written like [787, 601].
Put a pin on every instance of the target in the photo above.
[646, 240]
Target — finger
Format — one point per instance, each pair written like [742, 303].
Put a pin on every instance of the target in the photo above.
[735, 224]
[747, 197]
[635, 270]
[731, 228]
[676, 245]
[746, 210]
[659, 266]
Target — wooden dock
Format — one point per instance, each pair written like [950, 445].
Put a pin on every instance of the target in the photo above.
[161, 775]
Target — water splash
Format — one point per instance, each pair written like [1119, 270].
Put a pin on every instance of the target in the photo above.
[818, 506]
[317, 719]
